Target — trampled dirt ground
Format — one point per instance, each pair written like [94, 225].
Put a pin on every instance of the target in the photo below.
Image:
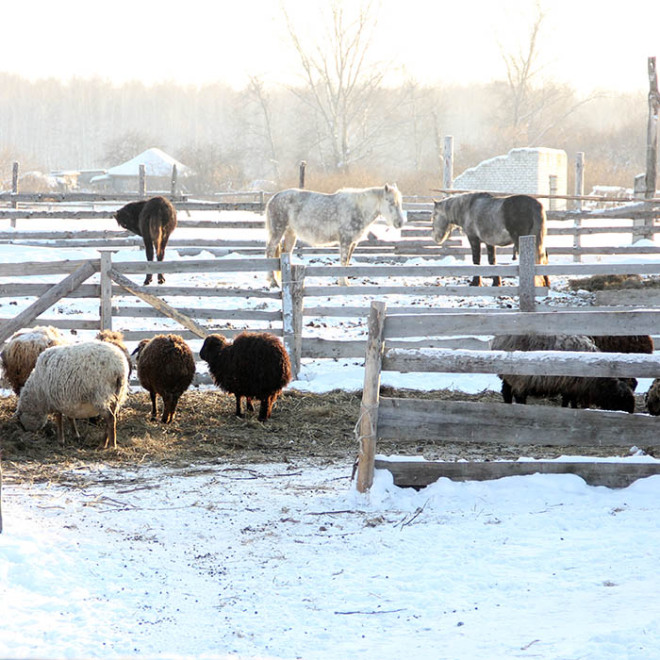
[318, 428]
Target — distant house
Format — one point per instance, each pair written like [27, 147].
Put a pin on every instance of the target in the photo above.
[527, 170]
[158, 171]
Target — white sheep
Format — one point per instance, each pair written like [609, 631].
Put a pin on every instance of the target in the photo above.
[77, 381]
[21, 351]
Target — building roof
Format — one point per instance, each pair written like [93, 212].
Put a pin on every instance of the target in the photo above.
[156, 163]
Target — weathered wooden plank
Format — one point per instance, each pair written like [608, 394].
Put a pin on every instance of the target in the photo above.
[159, 304]
[207, 314]
[41, 267]
[418, 474]
[196, 266]
[368, 420]
[138, 335]
[626, 322]
[317, 347]
[20, 290]
[55, 293]
[464, 291]
[466, 421]
[540, 363]
[63, 324]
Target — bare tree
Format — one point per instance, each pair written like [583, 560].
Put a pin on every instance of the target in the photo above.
[258, 93]
[341, 84]
[521, 69]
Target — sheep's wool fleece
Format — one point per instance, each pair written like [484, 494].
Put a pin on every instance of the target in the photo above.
[77, 379]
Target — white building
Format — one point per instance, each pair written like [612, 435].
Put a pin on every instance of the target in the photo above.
[531, 171]
[158, 171]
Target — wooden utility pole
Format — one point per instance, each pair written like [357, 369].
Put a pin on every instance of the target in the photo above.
[652, 131]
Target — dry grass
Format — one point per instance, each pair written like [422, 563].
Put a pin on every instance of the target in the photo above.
[609, 282]
[315, 428]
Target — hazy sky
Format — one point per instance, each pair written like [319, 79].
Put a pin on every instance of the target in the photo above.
[584, 42]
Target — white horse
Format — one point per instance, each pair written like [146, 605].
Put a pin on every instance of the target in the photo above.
[328, 219]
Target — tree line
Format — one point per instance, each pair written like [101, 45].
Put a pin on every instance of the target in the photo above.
[232, 137]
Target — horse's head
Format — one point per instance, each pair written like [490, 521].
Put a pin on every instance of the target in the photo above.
[391, 207]
[441, 225]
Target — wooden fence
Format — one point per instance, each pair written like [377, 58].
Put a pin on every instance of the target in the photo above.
[305, 301]
[567, 232]
[410, 420]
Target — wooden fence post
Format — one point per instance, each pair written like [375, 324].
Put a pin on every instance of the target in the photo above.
[106, 290]
[142, 182]
[448, 163]
[526, 271]
[367, 424]
[175, 176]
[652, 131]
[301, 174]
[293, 282]
[577, 205]
[14, 189]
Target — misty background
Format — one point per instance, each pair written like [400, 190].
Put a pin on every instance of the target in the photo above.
[343, 115]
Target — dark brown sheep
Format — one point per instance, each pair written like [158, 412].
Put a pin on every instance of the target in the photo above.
[653, 398]
[153, 219]
[165, 366]
[576, 391]
[624, 343]
[254, 366]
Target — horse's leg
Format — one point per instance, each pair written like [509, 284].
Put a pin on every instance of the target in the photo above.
[475, 245]
[492, 260]
[273, 251]
[149, 251]
[345, 254]
[160, 255]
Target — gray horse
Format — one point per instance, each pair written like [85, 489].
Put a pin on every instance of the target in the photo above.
[486, 218]
[328, 219]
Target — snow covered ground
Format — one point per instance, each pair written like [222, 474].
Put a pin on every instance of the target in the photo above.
[288, 561]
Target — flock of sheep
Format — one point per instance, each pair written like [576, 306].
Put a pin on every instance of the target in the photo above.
[90, 379]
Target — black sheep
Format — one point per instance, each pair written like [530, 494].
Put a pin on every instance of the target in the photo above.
[254, 366]
[153, 219]
[165, 366]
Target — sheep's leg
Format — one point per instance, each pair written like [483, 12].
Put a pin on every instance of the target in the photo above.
[154, 408]
[110, 429]
[238, 406]
[507, 392]
[149, 251]
[264, 409]
[74, 426]
[248, 404]
[475, 246]
[492, 260]
[59, 425]
[169, 408]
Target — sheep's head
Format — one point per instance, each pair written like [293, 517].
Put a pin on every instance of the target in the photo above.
[30, 420]
[139, 349]
[212, 345]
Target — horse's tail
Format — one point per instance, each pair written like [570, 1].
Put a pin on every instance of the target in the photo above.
[540, 232]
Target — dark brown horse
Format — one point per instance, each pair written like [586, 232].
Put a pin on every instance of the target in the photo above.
[492, 220]
[153, 219]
